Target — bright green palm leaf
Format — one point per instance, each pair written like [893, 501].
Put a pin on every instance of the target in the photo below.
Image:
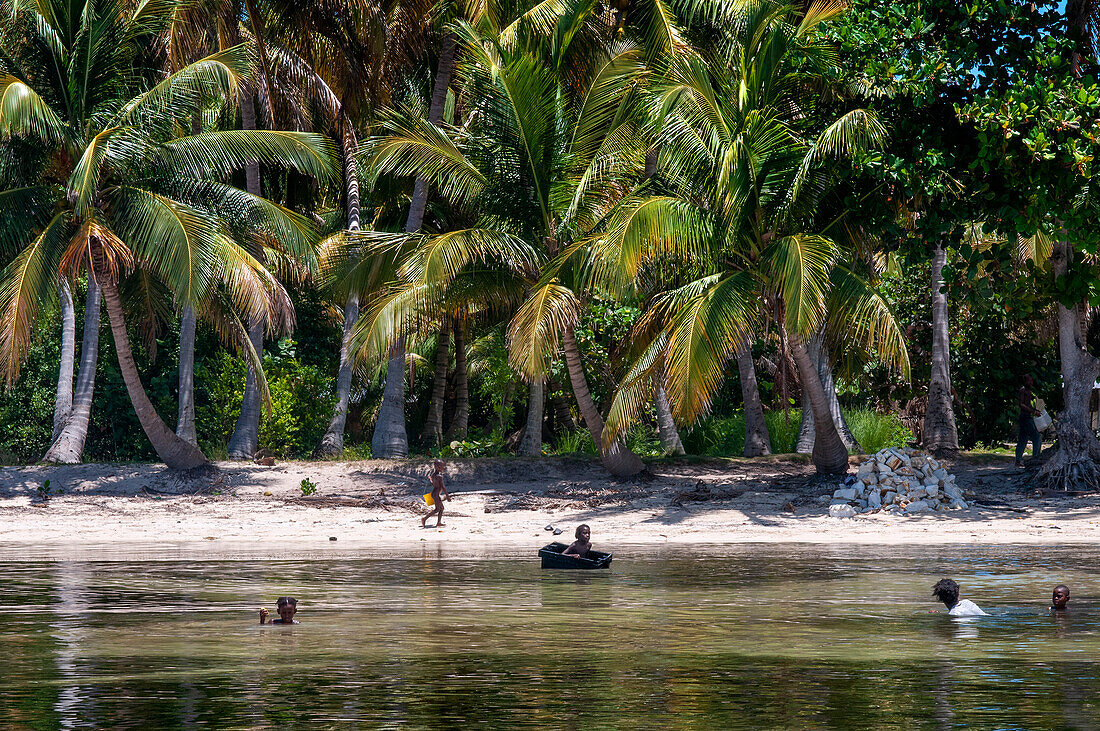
[23, 113]
[534, 332]
[798, 267]
[858, 313]
[218, 154]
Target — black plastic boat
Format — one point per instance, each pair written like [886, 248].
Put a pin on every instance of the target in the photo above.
[553, 558]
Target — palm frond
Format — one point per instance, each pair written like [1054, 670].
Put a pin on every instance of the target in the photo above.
[534, 331]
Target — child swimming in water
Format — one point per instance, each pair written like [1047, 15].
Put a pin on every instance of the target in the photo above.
[1059, 602]
[287, 607]
[582, 545]
[947, 591]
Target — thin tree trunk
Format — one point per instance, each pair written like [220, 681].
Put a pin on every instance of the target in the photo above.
[460, 422]
[390, 439]
[666, 425]
[757, 439]
[941, 436]
[175, 452]
[563, 419]
[1074, 465]
[806, 432]
[531, 444]
[332, 443]
[830, 456]
[246, 434]
[69, 444]
[394, 441]
[185, 424]
[433, 425]
[63, 401]
[618, 460]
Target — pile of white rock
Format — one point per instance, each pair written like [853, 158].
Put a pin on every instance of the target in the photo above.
[901, 481]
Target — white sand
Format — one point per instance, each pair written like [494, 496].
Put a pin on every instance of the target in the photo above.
[247, 506]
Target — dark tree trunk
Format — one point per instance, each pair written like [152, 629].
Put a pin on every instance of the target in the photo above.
[332, 443]
[531, 445]
[394, 442]
[830, 456]
[757, 439]
[1075, 463]
[246, 434]
[618, 460]
[69, 444]
[63, 400]
[461, 419]
[941, 437]
[433, 425]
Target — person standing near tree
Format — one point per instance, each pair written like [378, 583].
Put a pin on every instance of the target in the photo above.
[1028, 431]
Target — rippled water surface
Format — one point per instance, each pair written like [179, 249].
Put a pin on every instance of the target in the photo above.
[763, 637]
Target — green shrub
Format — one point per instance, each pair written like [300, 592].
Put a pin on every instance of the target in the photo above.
[783, 429]
[574, 442]
[473, 448]
[302, 399]
[875, 431]
[725, 437]
[308, 486]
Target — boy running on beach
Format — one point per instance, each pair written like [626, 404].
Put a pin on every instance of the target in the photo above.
[437, 488]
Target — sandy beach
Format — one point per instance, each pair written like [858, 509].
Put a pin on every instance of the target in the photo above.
[507, 502]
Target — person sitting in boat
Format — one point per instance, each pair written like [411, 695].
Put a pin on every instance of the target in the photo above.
[582, 545]
[947, 591]
[287, 607]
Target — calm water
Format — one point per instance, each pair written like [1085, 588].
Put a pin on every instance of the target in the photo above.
[763, 637]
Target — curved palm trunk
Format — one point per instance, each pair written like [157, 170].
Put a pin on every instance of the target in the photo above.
[806, 432]
[757, 439]
[618, 460]
[390, 439]
[830, 456]
[394, 441]
[246, 434]
[185, 422]
[666, 426]
[63, 401]
[332, 443]
[69, 443]
[940, 433]
[460, 421]
[531, 444]
[175, 452]
[433, 425]
[1075, 464]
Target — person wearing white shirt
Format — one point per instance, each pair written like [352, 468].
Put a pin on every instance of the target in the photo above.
[947, 591]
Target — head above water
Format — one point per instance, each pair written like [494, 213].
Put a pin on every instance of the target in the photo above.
[947, 591]
[287, 606]
[583, 532]
[1061, 596]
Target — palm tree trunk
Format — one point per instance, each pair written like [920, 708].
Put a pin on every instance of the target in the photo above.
[830, 456]
[1074, 465]
[531, 444]
[433, 425]
[185, 423]
[390, 440]
[394, 441]
[618, 460]
[666, 426]
[176, 453]
[460, 422]
[332, 443]
[757, 439]
[69, 443]
[63, 400]
[246, 434]
[941, 436]
[806, 432]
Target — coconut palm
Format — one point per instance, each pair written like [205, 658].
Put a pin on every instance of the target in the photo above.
[125, 194]
[745, 181]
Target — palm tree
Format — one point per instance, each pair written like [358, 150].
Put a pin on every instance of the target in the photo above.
[745, 183]
[126, 194]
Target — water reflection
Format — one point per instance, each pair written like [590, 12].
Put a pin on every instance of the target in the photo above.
[775, 636]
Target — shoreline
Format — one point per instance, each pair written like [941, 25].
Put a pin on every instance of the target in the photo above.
[374, 506]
